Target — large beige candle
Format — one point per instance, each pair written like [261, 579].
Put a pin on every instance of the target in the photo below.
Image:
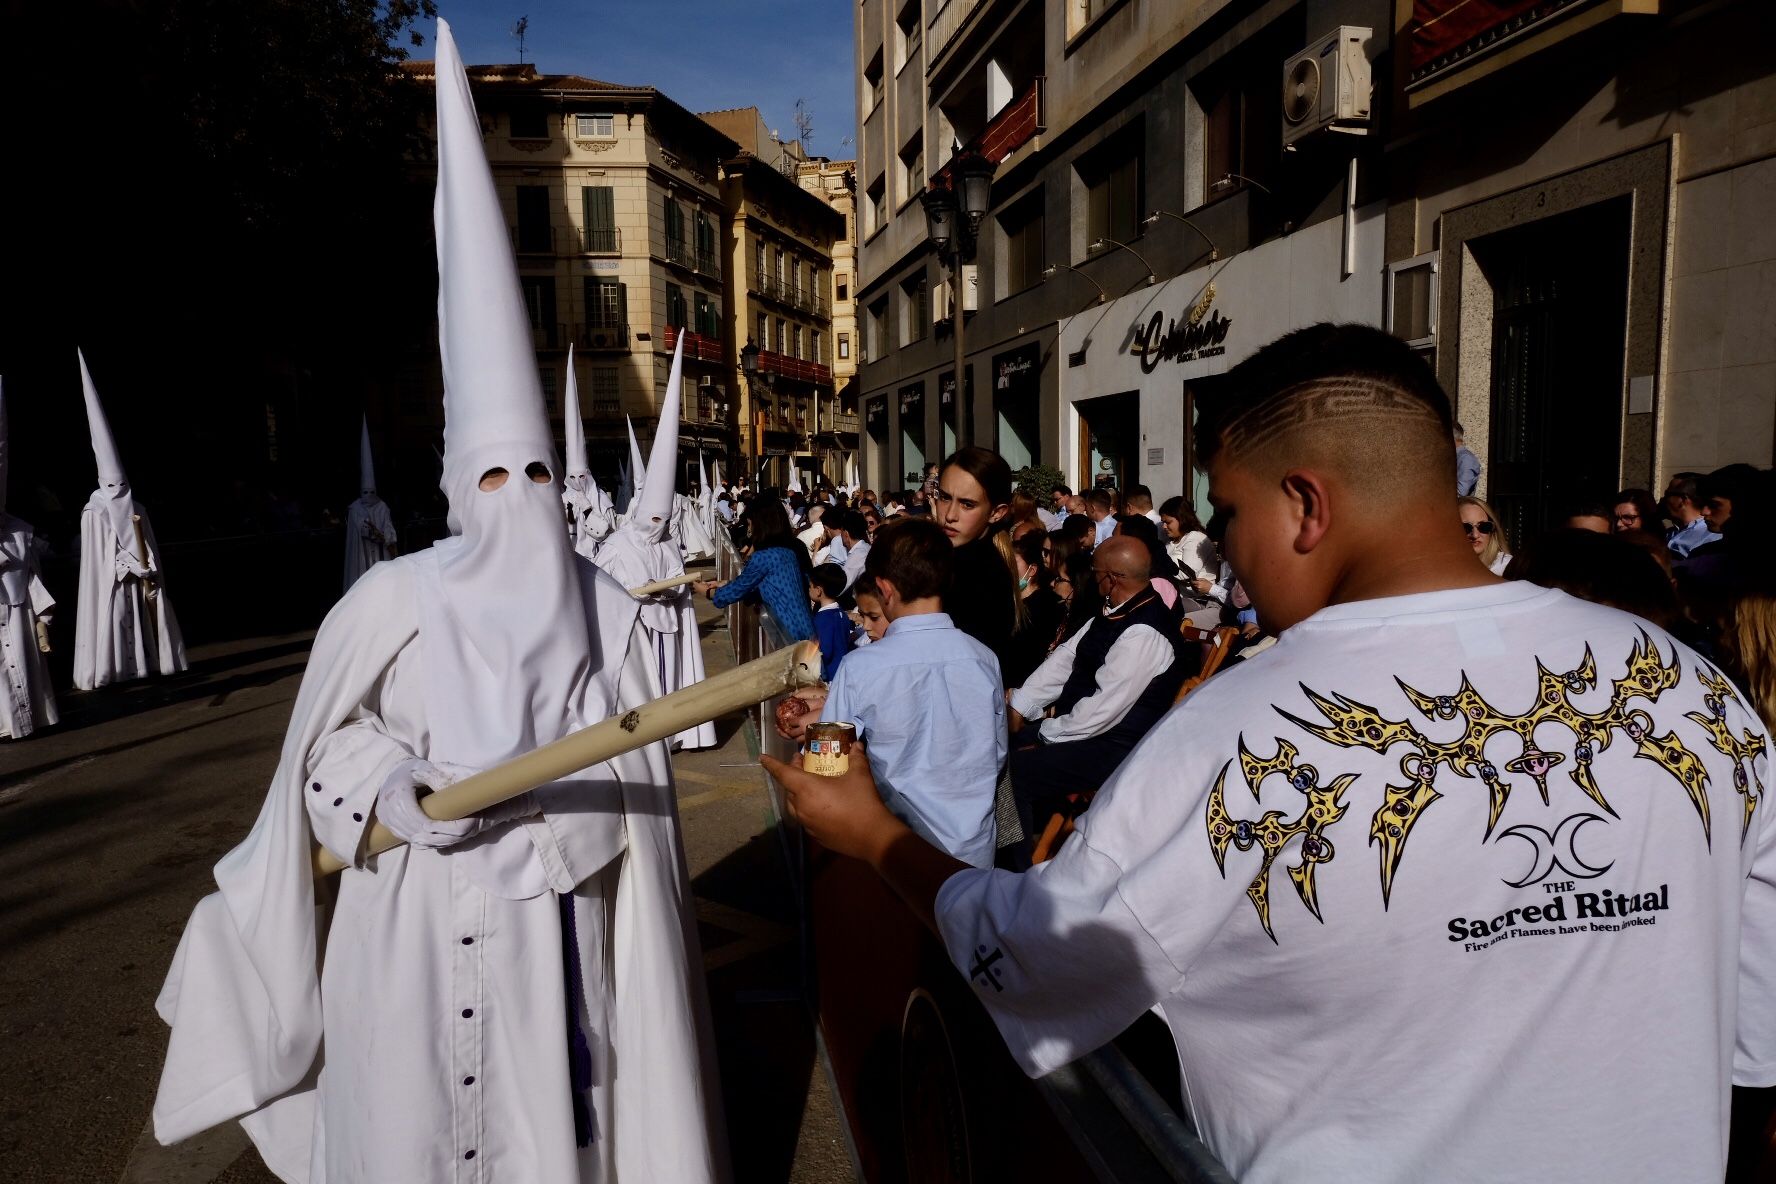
[792, 666]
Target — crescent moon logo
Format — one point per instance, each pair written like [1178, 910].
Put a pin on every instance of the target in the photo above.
[1556, 851]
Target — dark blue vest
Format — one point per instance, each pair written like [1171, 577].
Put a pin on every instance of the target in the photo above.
[1094, 647]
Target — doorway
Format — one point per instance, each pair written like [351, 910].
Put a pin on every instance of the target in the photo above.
[1109, 439]
[1560, 307]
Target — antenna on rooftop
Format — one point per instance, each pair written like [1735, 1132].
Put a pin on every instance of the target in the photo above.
[804, 125]
[518, 31]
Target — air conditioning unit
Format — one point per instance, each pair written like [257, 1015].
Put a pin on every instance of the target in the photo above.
[705, 381]
[1326, 86]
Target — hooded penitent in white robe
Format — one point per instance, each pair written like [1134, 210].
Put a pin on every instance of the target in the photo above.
[644, 550]
[369, 527]
[418, 1027]
[590, 515]
[27, 701]
[693, 535]
[124, 626]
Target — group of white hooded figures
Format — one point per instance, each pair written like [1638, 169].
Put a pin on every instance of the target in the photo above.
[516, 996]
[124, 624]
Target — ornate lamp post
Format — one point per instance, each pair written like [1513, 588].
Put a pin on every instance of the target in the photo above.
[749, 369]
[952, 222]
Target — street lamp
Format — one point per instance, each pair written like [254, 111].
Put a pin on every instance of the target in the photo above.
[1048, 273]
[1156, 215]
[1100, 244]
[749, 369]
[953, 216]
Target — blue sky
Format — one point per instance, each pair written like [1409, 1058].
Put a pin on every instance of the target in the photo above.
[705, 54]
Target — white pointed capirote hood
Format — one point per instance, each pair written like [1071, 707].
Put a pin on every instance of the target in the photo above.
[509, 598]
[661, 481]
[573, 427]
[366, 465]
[492, 392]
[103, 446]
[637, 466]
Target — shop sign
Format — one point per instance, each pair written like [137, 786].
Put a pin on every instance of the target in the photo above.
[1201, 335]
[1014, 370]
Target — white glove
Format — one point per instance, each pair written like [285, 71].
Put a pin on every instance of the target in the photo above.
[397, 805]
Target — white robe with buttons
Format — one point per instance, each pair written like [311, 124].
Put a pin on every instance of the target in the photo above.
[633, 559]
[441, 995]
[27, 701]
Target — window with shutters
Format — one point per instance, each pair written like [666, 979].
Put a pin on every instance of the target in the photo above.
[539, 305]
[915, 304]
[677, 249]
[814, 346]
[547, 374]
[533, 220]
[843, 283]
[795, 341]
[708, 318]
[763, 337]
[675, 307]
[782, 336]
[706, 257]
[598, 218]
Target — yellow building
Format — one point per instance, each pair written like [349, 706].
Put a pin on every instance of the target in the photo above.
[614, 200]
[779, 241]
[835, 183]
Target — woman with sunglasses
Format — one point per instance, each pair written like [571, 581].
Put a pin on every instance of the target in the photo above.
[1485, 534]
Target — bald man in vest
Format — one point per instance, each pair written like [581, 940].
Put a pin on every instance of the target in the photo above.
[1098, 693]
[1462, 879]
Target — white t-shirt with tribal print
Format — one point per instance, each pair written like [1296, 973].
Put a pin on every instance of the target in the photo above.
[1476, 885]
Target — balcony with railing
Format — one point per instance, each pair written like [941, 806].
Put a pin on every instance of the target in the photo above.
[794, 369]
[548, 336]
[602, 334]
[708, 263]
[601, 240]
[700, 347]
[532, 239]
[680, 254]
[843, 421]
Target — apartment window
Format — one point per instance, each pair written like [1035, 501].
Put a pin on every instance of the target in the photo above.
[547, 374]
[916, 309]
[605, 391]
[1022, 226]
[607, 306]
[814, 345]
[844, 346]
[779, 271]
[1113, 176]
[530, 123]
[759, 259]
[763, 336]
[782, 336]
[912, 167]
[795, 341]
[675, 307]
[708, 319]
[533, 220]
[1084, 12]
[598, 214]
[595, 127]
[706, 260]
[675, 232]
[872, 81]
[906, 35]
[1240, 114]
[843, 284]
[877, 344]
[875, 204]
[539, 305]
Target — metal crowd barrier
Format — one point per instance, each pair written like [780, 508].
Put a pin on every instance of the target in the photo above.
[1116, 1122]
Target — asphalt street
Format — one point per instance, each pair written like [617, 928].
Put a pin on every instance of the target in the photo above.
[110, 823]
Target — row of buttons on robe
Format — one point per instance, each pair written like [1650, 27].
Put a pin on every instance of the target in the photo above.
[356, 817]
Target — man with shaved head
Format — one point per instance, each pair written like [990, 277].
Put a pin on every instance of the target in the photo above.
[1099, 692]
[1461, 879]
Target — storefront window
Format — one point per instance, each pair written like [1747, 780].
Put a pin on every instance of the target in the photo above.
[912, 431]
[1017, 406]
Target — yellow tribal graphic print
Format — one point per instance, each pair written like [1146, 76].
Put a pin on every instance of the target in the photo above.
[1743, 750]
[1350, 724]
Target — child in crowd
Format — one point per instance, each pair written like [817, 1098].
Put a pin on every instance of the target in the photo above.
[926, 698]
[831, 629]
[870, 617]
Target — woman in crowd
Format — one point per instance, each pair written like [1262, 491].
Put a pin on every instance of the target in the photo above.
[1485, 533]
[1634, 509]
[777, 568]
[1076, 585]
[973, 500]
[1044, 611]
[1186, 541]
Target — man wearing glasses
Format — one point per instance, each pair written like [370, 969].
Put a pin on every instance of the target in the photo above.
[1091, 700]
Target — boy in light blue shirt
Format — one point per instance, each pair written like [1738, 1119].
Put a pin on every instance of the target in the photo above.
[926, 698]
